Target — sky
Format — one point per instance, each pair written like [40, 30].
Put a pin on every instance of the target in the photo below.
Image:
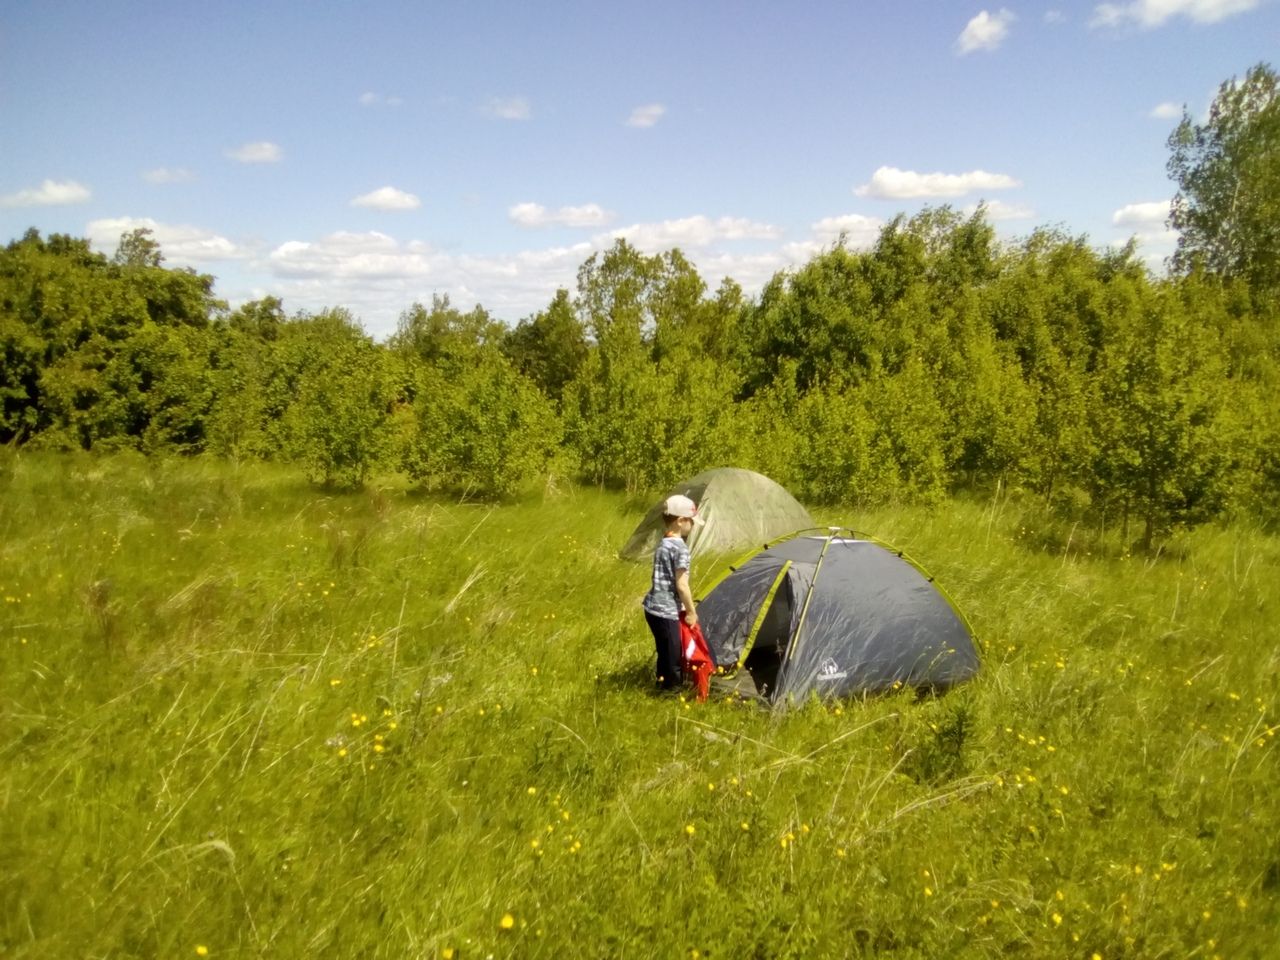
[371, 155]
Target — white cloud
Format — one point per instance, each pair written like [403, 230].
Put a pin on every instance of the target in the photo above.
[1142, 216]
[182, 245]
[262, 151]
[1054, 16]
[986, 31]
[998, 211]
[387, 198]
[647, 115]
[753, 270]
[1166, 111]
[168, 175]
[50, 193]
[371, 99]
[697, 231]
[509, 108]
[862, 232]
[890, 183]
[1153, 13]
[345, 255]
[377, 276]
[1147, 223]
[536, 215]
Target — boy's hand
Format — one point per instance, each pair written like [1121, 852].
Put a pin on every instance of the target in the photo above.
[691, 617]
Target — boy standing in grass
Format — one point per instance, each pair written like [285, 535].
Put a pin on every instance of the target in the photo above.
[670, 591]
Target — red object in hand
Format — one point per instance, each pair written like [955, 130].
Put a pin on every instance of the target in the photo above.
[695, 657]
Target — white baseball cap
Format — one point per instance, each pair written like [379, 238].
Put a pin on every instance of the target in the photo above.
[678, 505]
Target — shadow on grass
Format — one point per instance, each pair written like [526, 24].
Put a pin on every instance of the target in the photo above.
[634, 677]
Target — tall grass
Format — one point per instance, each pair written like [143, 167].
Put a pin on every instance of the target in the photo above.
[240, 717]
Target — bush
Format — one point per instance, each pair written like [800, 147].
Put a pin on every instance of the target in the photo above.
[479, 427]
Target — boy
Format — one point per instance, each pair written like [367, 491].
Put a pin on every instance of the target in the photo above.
[670, 591]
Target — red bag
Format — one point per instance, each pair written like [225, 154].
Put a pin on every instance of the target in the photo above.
[695, 657]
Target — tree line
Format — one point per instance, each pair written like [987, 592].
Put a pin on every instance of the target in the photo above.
[937, 360]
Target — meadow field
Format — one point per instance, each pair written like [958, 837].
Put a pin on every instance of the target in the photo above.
[243, 717]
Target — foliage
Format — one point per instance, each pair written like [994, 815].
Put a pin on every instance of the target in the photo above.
[83, 342]
[1227, 208]
[335, 422]
[842, 457]
[1162, 448]
[550, 347]
[648, 402]
[480, 427]
[138, 248]
[444, 331]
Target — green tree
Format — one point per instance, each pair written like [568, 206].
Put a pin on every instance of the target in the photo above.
[87, 346]
[1227, 169]
[444, 330]
[480, 427]
[844, 454]
[259, 318]
[55, 296]
[613, 299]
[336, 420]
[647, 402]
[913, 429]
[816, 322]
[991, 409]
[1163, 442]
[138, 248]
[549, 347]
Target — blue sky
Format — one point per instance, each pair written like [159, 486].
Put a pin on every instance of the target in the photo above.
[371, 154]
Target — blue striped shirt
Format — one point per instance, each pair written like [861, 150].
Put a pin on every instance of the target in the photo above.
[671, 556]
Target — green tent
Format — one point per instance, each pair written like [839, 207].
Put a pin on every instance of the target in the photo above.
[740, 509]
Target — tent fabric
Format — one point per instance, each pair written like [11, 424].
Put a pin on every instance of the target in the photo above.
[835, 615]
[739, 508]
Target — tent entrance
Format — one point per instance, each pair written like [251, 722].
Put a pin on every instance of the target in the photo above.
[773, 630]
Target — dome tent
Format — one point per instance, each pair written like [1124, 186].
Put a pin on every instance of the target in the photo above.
[739, 509]
[834, 614]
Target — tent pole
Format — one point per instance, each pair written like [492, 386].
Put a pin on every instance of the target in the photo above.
[804, 612]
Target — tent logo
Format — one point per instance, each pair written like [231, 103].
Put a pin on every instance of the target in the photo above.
[830, 670]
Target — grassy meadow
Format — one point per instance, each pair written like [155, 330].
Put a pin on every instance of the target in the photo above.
[242, 717]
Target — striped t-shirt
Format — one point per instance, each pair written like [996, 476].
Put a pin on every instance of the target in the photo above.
[671, 557]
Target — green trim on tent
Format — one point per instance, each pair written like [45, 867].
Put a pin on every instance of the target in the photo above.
[764, 610]
[733, 567]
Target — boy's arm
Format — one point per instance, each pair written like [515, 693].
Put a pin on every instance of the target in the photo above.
[686, 597]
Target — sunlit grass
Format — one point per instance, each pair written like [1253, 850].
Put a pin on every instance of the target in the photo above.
[245, 716]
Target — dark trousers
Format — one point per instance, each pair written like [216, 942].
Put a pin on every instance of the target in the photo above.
[666, 641]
